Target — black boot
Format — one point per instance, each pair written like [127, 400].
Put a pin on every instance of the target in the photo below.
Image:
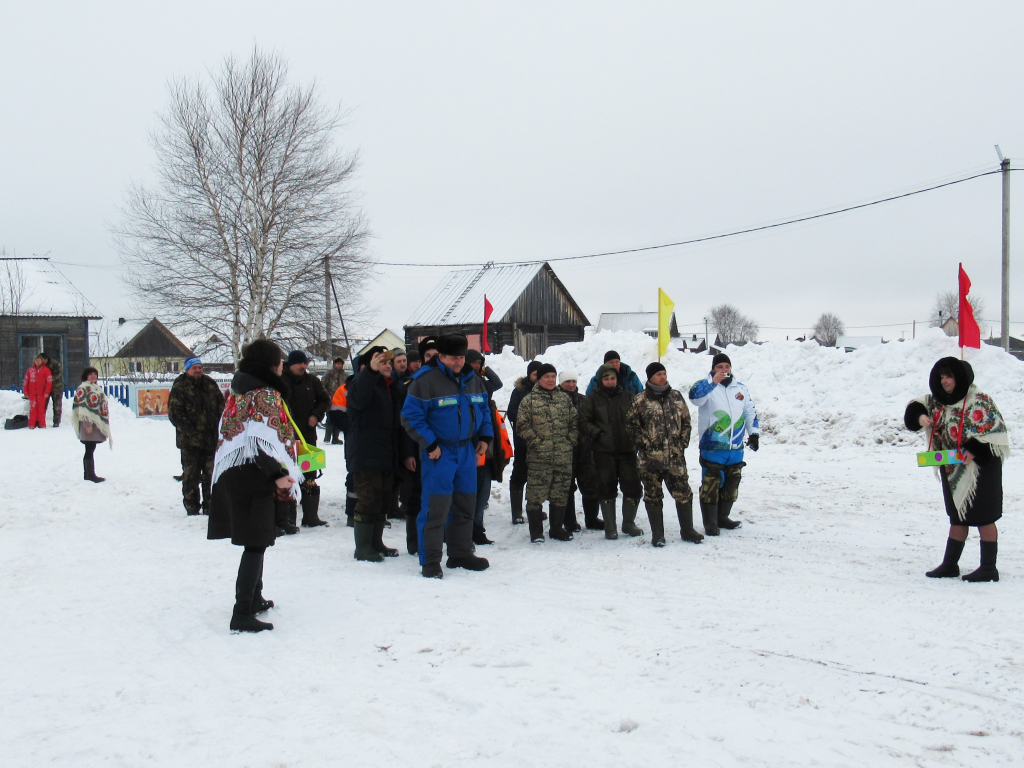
[283, 517]
[656, 514]
[469, 562]
[709, 512]
[570, 523]
[90, 470]
[949, 566]
[685, 514]
[590, 518]
[259, 603]
[536, 525]
[515, 491]
[311, 506]
[378, 538]
[724, 508]
[481, 539]
[556, 527]
[611, 528]
[412, 536]
[243, 618]
[364, 544]
[629, 526]
[987, 571]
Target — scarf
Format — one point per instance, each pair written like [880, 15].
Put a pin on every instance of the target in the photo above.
[254, 422]
[981, 421]
[90, 408]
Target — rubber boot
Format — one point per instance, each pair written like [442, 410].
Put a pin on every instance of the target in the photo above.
[556, 526]
[656, 514]
[629, 508]
[590, 518]
[364, 544]
[536, 525]
[611, 530]
[710, 514]
[516, 491]
[283, 517]
[243, 619]
[950, 561]
[378, 538]
[570, 524]
[90, 470]
[311, 506]
[724, 508]
[685, 514]
[412, 537]
[987, 571]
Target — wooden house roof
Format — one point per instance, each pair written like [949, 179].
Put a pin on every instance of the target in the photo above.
[154, 340]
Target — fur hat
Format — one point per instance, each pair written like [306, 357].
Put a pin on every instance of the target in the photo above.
[545, 369]
[654, 368]
[297, 356]
[453, 344]
[610, 355]
[425, 345]
[367, 356]
[567, 374]
[960, 370]
[721, 357]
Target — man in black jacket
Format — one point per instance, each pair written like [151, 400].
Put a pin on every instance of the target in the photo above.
[517, 480]
[308, 403]
[380, 445]
[194, 407]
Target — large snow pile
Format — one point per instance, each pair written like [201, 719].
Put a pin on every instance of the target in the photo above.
[805, 393]
[12, 404]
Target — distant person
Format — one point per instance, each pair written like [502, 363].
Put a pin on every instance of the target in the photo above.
[400, 363]
[414, 364]
[57, 390]
[308, 403]
[603, 417]
[428, 350]
[490, 466]
[446, 413]
[36, 387]
[627, 378]
[520, 471]
[255, 466]
[726, 415]
[90, 419]
[333, 379]
[549, 424]
[959, 416]
[583, 476]
[194, 407]
[492, 381]
[659, 423]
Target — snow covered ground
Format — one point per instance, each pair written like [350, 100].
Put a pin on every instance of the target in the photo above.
[809, 636]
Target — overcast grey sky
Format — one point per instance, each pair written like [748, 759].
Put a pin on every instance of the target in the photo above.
[500, 131]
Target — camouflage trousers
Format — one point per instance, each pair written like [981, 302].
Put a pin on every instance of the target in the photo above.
[196, 471]
[721, 482]
[375, 492]
[58, 406]
[548, 481]
[678, 484]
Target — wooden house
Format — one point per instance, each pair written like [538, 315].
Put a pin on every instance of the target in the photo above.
[152, 350]
[532, 310]
[41, 311]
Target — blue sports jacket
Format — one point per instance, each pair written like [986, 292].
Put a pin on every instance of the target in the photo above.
[447, 408]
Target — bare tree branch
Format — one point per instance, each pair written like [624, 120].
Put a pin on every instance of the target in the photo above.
[828, 329]
[731, 326]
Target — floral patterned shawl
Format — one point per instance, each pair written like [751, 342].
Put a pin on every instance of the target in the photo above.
[89, 412]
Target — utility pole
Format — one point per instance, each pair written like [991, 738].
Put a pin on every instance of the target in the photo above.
[329, 351]
[1004, 164]
[707, 344]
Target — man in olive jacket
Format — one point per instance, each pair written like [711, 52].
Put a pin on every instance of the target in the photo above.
[194, 407]
[549, 425]
[659, 423]
[603, 418]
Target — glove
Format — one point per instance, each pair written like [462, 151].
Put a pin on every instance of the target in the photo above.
[752, 442]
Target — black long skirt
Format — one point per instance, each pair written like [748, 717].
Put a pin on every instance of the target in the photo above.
[987, 506]
[242, 507]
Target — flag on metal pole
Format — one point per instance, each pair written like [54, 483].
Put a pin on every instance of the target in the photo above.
[970, 333]
[484, 346]
[665, 308]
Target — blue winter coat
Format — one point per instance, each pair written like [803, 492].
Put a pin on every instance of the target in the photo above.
[445, 408]
[628, 380]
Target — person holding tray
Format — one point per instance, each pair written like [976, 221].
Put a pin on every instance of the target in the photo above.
[960, 417]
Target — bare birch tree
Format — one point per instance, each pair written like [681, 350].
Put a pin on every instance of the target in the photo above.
[253, 202]
[13, 292]
[731, 326]
[828, 329]
[947, 305]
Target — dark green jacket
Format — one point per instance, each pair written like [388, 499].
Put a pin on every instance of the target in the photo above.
[194, 408]
[603, 419]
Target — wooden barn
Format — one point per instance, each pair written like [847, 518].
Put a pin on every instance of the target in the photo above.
[41, 311]
[532, 310]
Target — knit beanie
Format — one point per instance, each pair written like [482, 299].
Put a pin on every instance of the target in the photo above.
[545, 369]
[611, 354]
[654, 368]
[473, 356]
[533, 366]
[297, 356]
[721, 357]
[567, 374]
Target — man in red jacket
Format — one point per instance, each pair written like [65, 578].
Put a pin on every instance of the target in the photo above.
[36, 387]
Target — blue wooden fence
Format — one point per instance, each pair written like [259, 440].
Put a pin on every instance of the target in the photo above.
[117, 391]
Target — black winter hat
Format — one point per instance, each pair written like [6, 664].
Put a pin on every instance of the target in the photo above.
[454, 344]
[611, 354]
[263, 352]
[425, 345]
[414, 356]
[364, 359]
[960, 370]
[297, 356]
[472, 356]
[654, 368]
[721, 357]
[533, 366]
[545, 369]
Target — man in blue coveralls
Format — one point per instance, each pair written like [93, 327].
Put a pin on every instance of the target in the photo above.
[446, 413]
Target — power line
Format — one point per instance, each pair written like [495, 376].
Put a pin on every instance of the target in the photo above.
[734, 233]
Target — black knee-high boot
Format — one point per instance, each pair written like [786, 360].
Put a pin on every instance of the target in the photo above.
[987, 571]
[949, 567]
[249, 569]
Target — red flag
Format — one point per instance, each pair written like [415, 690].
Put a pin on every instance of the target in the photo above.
[484, 346]
[970, 333]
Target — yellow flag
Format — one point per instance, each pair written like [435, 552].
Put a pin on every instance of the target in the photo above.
[665, 307]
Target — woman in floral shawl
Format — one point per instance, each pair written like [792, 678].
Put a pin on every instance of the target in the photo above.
[959, 416]
[90, 419]
[254, 464]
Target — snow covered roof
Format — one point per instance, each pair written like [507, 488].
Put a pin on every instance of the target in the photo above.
[47, 292]
[856, 342]
[459, 297]
[643, 322]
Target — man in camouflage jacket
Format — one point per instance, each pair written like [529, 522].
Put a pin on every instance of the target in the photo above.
[57, 389]
[549, 425]
[659, 423]
[194, 407]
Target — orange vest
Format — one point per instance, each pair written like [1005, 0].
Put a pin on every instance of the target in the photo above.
[506, 443]
[340, 398]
